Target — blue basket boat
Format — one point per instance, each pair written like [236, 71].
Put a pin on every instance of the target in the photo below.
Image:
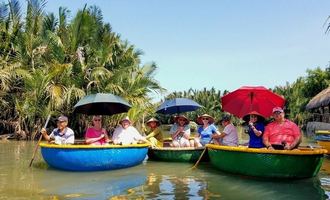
[93, 158]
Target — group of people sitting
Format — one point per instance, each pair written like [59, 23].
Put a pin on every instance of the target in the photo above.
[279, 134]
[124, 134]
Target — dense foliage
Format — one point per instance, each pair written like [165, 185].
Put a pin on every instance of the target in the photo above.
[300, 92]
[47, 64]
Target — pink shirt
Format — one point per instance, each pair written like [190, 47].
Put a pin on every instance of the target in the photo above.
[93, 133]
[276, 133]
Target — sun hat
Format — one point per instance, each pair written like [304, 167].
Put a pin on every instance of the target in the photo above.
[247, 116]
[62, 118]
[125, 119]
[153, 120]
[278, 109]
[181, 116]
[200, 119]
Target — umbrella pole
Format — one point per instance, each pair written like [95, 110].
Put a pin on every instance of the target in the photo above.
[36, 147]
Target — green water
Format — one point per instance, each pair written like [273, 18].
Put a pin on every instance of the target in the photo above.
[150, 180]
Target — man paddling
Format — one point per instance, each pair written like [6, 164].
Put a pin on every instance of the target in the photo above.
[60, 135]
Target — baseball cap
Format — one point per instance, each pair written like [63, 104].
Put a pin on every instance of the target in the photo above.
[277, 109]
[62, 118]
[225, 118]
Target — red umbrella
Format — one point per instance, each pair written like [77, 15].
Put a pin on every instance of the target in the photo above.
[251, 98]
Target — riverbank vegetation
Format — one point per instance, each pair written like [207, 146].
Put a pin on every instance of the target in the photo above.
[48, 62]
[296, 94]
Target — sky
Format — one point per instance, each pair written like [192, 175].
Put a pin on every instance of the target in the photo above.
[223, 44]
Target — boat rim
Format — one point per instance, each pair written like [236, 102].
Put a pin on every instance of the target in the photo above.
[87, 146]
[299, 151]
[177, 148]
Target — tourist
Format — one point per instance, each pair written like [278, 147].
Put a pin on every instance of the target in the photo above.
[229, 135]
[126, 134]
[60, 135]
[96, 135]
[155, 135]
[180, 132]
[281, 133]
[256, 129]
[205, 131]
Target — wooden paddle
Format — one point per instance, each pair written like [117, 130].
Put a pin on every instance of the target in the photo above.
[36, 148]
[201, 156]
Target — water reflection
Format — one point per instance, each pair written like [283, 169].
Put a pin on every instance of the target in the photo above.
[207, 183]
[238, 187]
[151, 180]
[98, 185]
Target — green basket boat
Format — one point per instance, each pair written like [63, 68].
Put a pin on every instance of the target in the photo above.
[172, 154]
[298, 163]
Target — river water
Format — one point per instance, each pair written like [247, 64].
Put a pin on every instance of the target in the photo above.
[150, 180]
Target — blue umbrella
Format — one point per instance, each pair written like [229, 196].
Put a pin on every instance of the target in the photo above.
[101, 104]
[178, 105]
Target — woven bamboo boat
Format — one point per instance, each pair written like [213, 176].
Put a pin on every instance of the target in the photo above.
[323, 139]
[172, 154]
[93, 158]
[298, 163]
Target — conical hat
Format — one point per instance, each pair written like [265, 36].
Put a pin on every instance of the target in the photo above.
[200, 121]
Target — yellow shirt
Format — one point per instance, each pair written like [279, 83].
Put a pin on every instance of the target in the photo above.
[157, 133]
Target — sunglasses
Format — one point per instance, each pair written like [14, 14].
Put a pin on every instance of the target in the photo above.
[97, 120]
[181, 120]
[205, 118]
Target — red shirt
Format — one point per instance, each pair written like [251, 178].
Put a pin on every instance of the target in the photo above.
[277, 133]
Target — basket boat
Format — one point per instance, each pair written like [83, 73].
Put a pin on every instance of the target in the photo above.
[298, 163]
[93, 158]
[172, 154]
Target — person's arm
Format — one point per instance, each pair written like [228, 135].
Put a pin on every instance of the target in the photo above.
[153, 133]
[137, 136]
[255, 130]
[297, 138]
[186, 133]
[106, 136]
[175, 131]
[91, 140]
[265, 139]
[44, 134]
[115, 136]
[218, 135]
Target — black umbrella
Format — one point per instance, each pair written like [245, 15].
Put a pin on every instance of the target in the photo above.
[178, 105]
[101, 104]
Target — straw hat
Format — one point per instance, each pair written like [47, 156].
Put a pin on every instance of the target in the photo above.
[181, 116]
[200, 119]
[247, 116]
[125, 119]
[153, 120]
